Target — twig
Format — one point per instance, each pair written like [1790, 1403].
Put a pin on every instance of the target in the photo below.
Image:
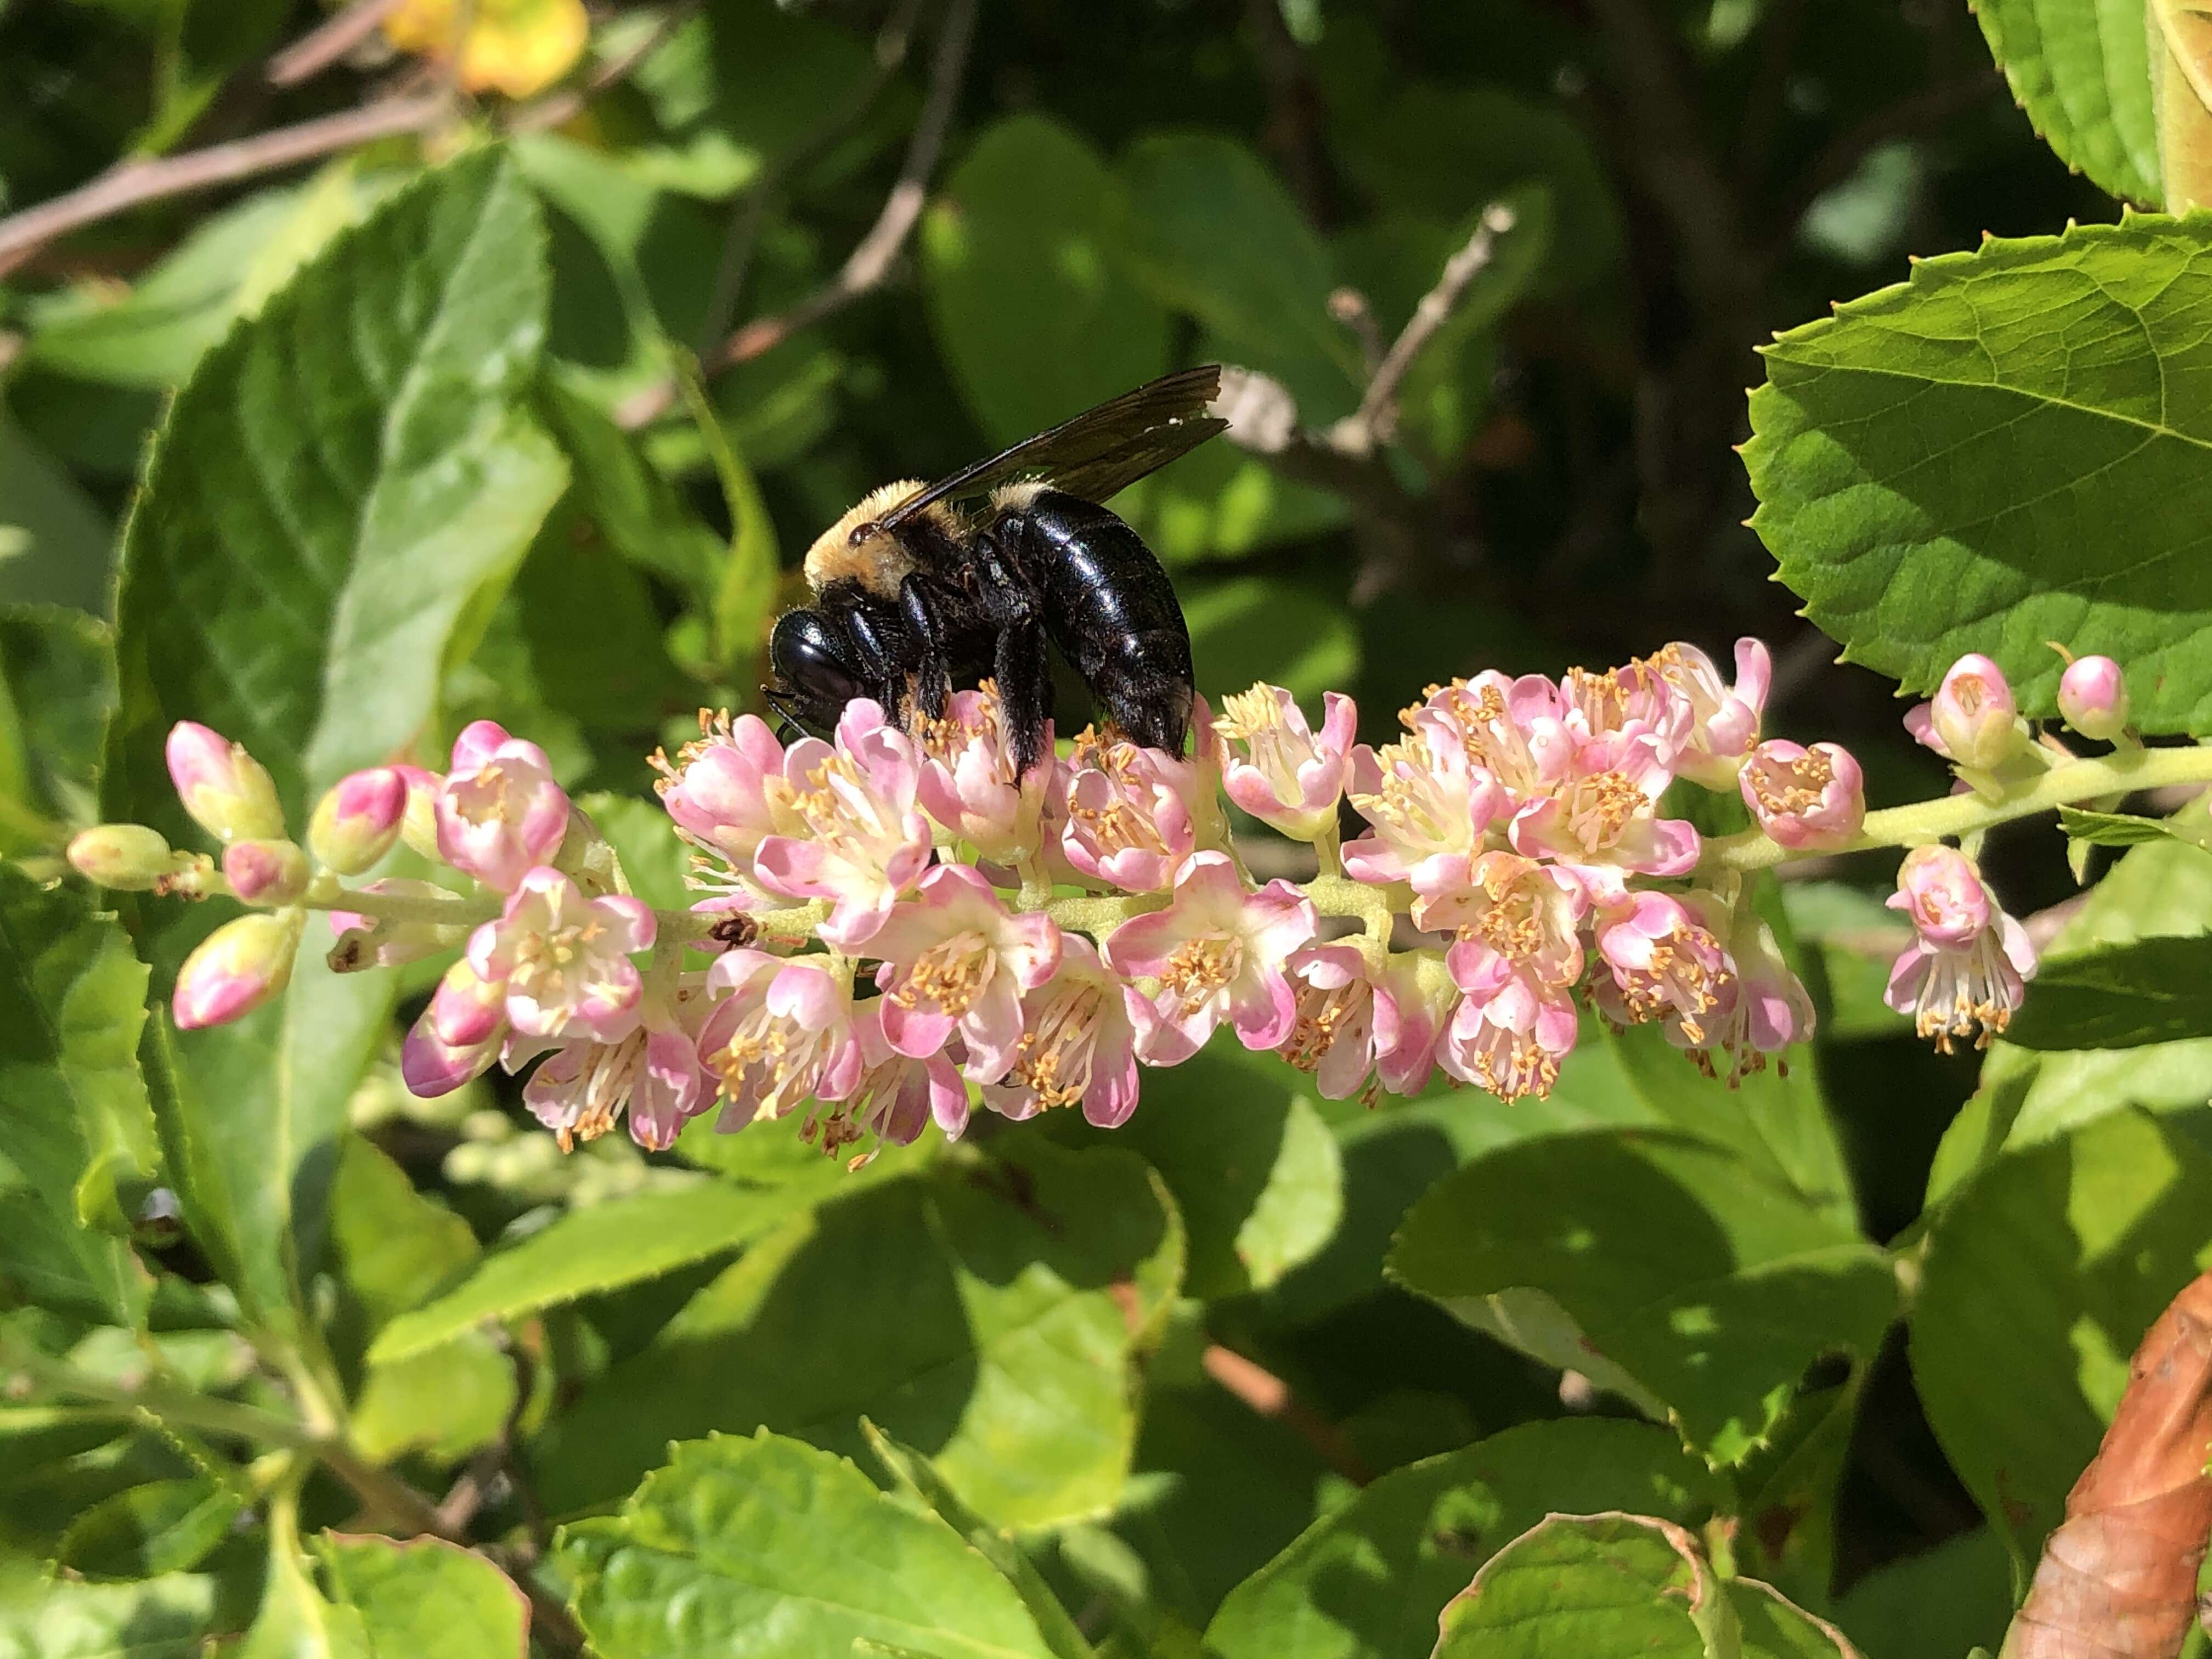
[747, 222]
[1378, 415]
[1840, 156]
[328, 41]
[1350, 306]
[1271, 1397]
[870, 261]
[135, 183]
[556, 107]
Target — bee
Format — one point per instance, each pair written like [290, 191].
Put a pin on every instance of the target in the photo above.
[919, 590]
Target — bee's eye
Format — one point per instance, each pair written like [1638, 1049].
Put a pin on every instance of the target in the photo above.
[862, 532]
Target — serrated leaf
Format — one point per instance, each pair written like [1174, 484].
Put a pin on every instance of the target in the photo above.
[1369, 1580]
[1034, 316]
[1623, 1583]
[296, 1620]
[621, 1242]
[2110, 828]
[2081, 70]
[426, 1598]
[2038, 1280]
[166, 1618]
[2156, 990]
[57, 691]
[975, 1317]
[74, 1118]
[162, 1526]
[1707, 1284]
[1890, 443]
[789, 1552]
[338, 477]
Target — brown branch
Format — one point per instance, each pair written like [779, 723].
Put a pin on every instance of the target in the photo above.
[134, 183]
[2118, 1578]
[1840, 156]
[870, 261]
[1268, 1395]
[328, 41]
[1377, 415]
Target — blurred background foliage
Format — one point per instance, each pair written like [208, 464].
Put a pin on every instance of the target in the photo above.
[897, 234]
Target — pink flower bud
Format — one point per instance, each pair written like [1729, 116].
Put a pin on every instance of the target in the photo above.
[430, 1069]
[226, 790]
[2093, 696]
[418, 829]
[1972, 720]
[268, 872]
[1274, 765]
[236, 968]
[355, 824]
[1805, 799]
[500, 814]
[127, 857]
[466, 1008]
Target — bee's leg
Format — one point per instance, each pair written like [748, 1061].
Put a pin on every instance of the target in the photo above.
[929, 606]
[886, 652]
[1009, 599]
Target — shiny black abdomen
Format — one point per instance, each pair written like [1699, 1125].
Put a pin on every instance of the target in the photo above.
[1111, 609]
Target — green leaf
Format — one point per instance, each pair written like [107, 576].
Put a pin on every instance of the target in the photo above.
[394, 1246]
[165, 1618]
[2082, 70]
[1254, 627]
[637, 510]
[426, 1598]
[2156, 990]
[975, 1317]
[297, 1621]
[1213, 233]
[1035, 319]
[917, 1477]
[163, 1526]
[74, 1119]
[621, 1242]
[1667, 1268]
[2110, 828]
[1623, 1583]
[1368, 1580]
[2039, 1279]
[1941, 1602]
[355, 457]
[787, 1553]
[56, 693]
[1890, 442]
[54, 539]
[746, 593]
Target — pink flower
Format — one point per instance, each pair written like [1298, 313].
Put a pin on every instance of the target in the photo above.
[564, 958]
[1805, 799]
[954, 958]
[1275, 767]
[2093, 698]
[1355, 1020]
[1764, 1007]
[1514, 730]
[1632, 700]
[499, 813]
[1723, 718]
[717, 789]
[228, 793]
[784, 1032]
[858, 840]
[1510, 1033]
[365, 942]
[1429, 808]
[1217, 953]
[582, 1087]
[1972, 720]
[1078, 1043]
[267, 872]
[1604, 813]
[235, 969]
[1967, 967]
[897, 1096]
[970, 786]
[1131, 813]
[1514, 908]
[1421, 990]
[1664, 963]
[357, 820]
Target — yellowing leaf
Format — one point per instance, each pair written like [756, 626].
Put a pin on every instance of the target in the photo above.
[513, 46]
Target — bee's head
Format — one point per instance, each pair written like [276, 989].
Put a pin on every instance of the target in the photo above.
[815, 671]
[857, 548]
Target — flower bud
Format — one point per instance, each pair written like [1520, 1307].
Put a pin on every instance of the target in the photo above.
[269, 872]
[1972, 720]
[419, 828]
[2093, 696]
[355, 824]
[226, 790]
[1805, 799]
[127, 857]
[466, 1008]
[236, 968]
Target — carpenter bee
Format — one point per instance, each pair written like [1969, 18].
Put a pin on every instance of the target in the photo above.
[922, 589]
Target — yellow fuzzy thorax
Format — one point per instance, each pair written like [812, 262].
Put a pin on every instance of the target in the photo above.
[877, 561]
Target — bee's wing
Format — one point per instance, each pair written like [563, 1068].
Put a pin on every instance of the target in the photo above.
[1101, 451]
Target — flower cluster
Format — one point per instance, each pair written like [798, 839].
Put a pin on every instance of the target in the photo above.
[894, 926]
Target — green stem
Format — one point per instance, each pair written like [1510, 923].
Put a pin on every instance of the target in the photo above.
[2120, 772]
